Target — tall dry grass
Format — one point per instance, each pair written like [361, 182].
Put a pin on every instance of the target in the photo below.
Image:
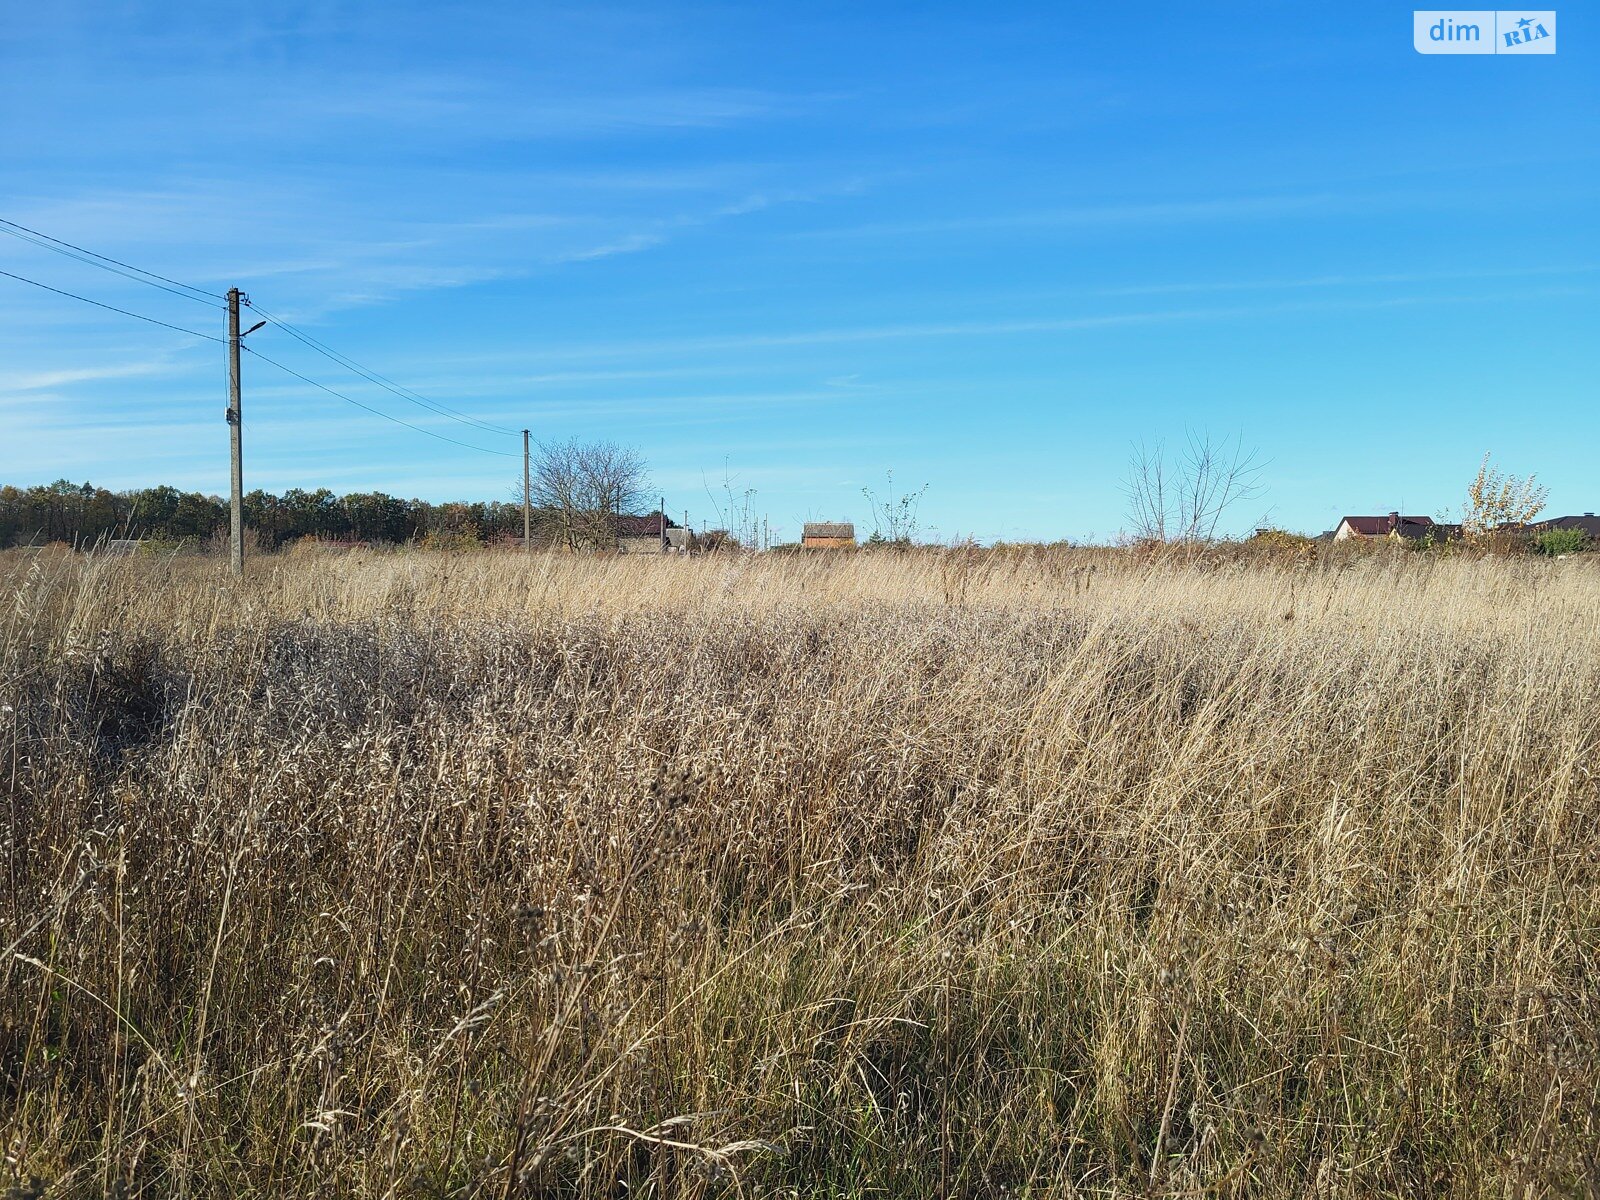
[961, 875]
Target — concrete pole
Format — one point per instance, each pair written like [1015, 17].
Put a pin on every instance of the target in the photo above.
[235, 439]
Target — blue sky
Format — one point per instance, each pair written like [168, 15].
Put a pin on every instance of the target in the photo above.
[987, 247]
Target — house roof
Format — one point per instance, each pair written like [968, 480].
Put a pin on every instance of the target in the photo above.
[1588, 522]
[648, 525]
[829, 529]
[1380, 527]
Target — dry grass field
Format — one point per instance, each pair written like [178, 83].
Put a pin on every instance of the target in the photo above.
[970, 875]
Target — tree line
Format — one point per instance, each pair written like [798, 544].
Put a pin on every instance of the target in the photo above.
[77, 514]
[581, 493]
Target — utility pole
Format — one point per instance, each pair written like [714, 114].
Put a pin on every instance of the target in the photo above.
[235, 435]
[527, 511]
[665, 543]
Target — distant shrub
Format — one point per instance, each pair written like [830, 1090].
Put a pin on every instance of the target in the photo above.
[1433, 542]
[458, 537]
[1281, 541]
[1556, 542]
[168, 545]
[1506, 542]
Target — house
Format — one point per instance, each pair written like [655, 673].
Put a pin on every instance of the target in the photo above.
[642, 535]
[1588, 522]
[828, 535]
[1392, 526]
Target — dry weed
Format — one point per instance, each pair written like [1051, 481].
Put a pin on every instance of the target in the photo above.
[417, 875]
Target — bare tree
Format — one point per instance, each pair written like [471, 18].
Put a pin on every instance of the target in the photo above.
[581, 489]
[555, 492]
[1146, 487]
[894, 518]
[736, 512]
[614, 482]
[1185, 498]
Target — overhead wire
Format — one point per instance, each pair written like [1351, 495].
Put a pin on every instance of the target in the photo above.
[437, 407]
[106, 263]
[377, 412]
[190, 292]
[111, 307]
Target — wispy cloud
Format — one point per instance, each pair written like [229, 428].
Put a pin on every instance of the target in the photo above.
[1136, 212]
[662, 229]
[1026, 325]
[37, 381]
[1161, 213]
[519, 381]
[382, 284]
[645, 109]
[1342, 281]
[483, 111]
[630, 244]
[314, 247]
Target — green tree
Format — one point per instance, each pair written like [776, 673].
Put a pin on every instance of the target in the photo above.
[1559, 542]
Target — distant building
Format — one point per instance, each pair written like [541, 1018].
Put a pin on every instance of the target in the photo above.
[642, 535]
[1588, 522]
[1392, 526]
[828, 535]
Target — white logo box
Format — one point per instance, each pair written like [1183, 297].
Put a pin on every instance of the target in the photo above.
[1484, 31]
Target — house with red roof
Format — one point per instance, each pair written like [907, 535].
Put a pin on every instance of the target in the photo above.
[1394, 525]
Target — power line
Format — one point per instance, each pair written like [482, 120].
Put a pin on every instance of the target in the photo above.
[84, 258]
[110, 307]
[96, 259]
[189, 292]
[105, 262]
[434, 406]
[377, 412]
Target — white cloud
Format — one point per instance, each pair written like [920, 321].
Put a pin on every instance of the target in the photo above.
[630, 244]
[1021, 325]
[1222, 208]
[32, 381]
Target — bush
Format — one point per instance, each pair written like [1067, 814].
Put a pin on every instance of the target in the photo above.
[1282, 541]
[453, 537]
[1557, 542]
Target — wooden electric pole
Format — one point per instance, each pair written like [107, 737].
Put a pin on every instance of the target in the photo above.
[235, 433]
[527, 510]
[665, 543]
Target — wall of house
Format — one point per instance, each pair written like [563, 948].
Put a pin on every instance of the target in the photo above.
[1344, 533]
[651, 544]
[639, 545]
[823, 543]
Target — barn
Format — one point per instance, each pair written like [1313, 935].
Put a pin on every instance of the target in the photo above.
[828, 535]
